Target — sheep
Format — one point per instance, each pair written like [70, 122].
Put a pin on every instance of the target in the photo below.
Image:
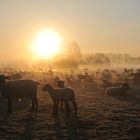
[121, 90]
[60, 84]
[61, 95]
[19, 89]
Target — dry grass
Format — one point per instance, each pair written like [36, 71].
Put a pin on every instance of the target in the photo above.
[100, 117]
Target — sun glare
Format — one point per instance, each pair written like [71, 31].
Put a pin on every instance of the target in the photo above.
[46, 44]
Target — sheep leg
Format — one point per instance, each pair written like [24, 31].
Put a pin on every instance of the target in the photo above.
[10, 106]
[75, 108]
[33, 104]
[36, 104]
[57, 104]
[54, 107]
[61, 104]
[67, 108]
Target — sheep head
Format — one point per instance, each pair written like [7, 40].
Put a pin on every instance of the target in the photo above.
[47, 87]
[125, 86]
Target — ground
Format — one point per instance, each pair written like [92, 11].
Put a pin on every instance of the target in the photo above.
[100, 117]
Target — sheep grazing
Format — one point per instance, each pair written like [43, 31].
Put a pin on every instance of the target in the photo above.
[19, 89]
[60, 84]
[121, 90]
[61, 95]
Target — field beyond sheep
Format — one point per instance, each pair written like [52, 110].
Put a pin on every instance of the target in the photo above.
[100, 117]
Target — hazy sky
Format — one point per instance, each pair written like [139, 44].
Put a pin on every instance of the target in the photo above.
[96, 25]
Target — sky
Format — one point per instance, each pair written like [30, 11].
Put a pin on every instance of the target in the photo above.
[106, 26]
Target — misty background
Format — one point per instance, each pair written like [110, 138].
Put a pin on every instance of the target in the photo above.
[98, 26]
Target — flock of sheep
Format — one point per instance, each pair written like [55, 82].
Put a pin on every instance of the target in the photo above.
[27, 88]
[12, 89]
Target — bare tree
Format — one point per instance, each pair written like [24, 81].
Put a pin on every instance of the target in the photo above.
[74, 51]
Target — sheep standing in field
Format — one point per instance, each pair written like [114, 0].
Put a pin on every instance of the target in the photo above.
[61, 95]
[19, 89]
[121, 90]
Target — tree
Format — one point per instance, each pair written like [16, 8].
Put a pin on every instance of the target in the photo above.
[98, 59]
[74, 51]
[101, 59]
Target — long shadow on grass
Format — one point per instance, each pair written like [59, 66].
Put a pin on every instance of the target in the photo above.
[29, 124]
[127, 98]
[69, 128]
[16, 105]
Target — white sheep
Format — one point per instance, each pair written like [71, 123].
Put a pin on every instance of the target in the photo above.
[19, 89]
[121, 90]
[61, 95]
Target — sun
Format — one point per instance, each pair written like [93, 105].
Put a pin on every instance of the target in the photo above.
[46, 43]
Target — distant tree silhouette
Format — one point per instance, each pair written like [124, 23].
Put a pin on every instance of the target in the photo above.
[74, 51]
[127, 58]
[67, 63]
[90, 59]
[98, 59]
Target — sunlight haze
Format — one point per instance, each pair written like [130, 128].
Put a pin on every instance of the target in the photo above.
[106, 26]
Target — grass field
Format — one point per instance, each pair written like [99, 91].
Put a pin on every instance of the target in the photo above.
[100, 117]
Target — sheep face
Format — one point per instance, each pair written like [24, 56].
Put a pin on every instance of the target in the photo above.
[47, 87]
[124, 86]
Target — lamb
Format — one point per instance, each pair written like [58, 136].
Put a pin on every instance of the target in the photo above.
[19, 89]
[61, 95]
[117, 90]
